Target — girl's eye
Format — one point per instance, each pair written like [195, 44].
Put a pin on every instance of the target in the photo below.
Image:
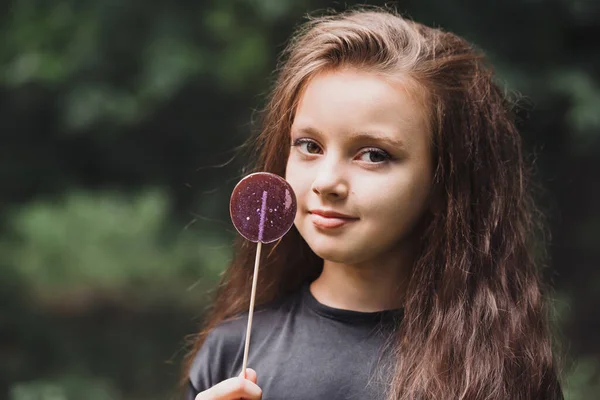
[374, 156]
[308, 146]
[371, 156]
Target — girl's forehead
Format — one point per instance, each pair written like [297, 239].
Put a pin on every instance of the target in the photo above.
[353, 100]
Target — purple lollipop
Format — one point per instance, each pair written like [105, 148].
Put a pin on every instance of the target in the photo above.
[262, 209]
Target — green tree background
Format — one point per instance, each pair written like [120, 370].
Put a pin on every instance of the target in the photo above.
[119, 121]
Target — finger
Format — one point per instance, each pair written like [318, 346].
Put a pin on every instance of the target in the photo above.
[230, 389]
[250, 375]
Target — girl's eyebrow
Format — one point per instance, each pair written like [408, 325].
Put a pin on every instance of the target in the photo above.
[377, 136]
[358, 136]
[308, 130]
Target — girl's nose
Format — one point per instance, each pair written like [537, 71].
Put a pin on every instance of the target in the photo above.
[329, 182]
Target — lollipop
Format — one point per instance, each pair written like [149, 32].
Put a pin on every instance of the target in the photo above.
[262, 208]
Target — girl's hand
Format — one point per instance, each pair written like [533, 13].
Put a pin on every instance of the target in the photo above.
[234, 389]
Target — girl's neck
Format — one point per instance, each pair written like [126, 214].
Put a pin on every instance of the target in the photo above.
[371, 286]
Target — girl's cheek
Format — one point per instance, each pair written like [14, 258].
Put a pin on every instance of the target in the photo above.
[295, 179]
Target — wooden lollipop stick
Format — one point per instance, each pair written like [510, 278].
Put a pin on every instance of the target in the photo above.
[251, 311]
[261, 225]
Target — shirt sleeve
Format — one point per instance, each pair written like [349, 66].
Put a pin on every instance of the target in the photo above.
[191, 392]
[206, 364]
[217, 358]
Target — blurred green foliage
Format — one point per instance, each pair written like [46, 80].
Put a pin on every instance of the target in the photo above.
[100, 284]
[65, 389]
[118, 124]
[582, 382]
[109, 243]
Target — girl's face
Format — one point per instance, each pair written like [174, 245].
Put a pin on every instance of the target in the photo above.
[360, 165]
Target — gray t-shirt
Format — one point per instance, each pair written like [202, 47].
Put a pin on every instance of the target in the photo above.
[302, 349]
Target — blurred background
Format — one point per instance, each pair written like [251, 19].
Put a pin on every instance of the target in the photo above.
[119, 122]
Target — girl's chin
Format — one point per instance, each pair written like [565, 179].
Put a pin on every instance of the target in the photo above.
[340, 253]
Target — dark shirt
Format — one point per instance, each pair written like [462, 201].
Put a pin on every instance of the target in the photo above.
[301, 349]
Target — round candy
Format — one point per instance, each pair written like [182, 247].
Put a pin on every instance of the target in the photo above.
[262, 207]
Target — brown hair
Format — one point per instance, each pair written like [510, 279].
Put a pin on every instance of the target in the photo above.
[475, 321]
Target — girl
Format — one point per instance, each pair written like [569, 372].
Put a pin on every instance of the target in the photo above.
[411, 272]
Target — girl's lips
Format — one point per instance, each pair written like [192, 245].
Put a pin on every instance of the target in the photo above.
[329, 222]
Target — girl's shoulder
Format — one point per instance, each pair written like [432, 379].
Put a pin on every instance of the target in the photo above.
[231, 328]
[219, 354]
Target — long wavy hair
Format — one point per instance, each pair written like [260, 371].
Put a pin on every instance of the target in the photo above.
[475, 318]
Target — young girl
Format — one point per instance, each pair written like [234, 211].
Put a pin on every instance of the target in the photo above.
[412, 271]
